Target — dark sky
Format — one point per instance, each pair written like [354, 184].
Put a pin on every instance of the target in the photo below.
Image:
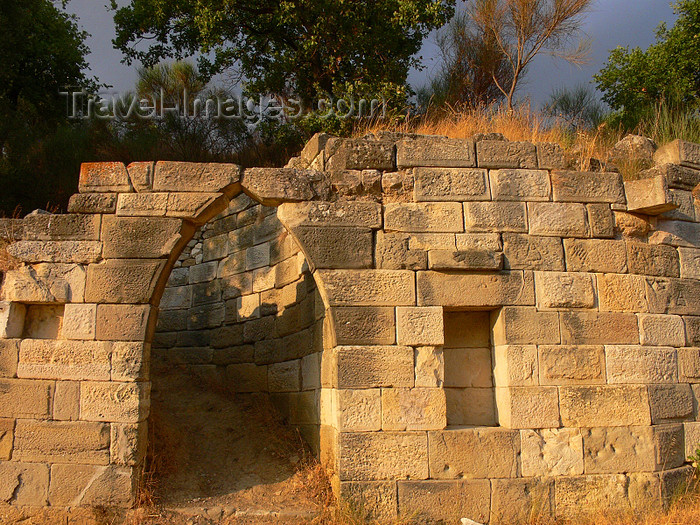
[610, 23]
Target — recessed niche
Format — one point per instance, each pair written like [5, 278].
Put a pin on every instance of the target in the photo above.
[43, 321]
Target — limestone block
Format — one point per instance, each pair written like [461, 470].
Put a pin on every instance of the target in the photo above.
[66, 401]
[69, 227]
[114, 402]
[367, 287]
[689, 263]
[604, 406]
[557, 219]
[130, 361]
[24, 483]
[577, 186]
[475, 289]
[595, 255]
[467, 329]
[176, 298]
[641, 364]
[661, 330]
[11, 319]
[515, 365]
[650, 196]
[650, 259]
[424, 217]
[247, 377]
[92, 203]
[263, 280]
[104, 486]
[7, 429]
[393, 252]
[203, 273]
[571, 365]
[673, 296]
[205, 316]
[9, 355]
[359, 154]
[528, 407]
[413, 409]
[99, 177]
[122, 280]
[692, 438]
[525, 325]
[471, 407]
[487, 242]
[139, 237]
[374, 366]
[141, 175]
[419, 326]
[123, 322]
[529, 252]
[670, 403]
[685, 206]
[142, 204]
[550, 156]
[689, 364]
[464, 260]
[215, 247]
[335, 247]
[564, 290]
[64, 441]
[51, 359]
[341, 213]
[520, 185]
[619, 449]
[495, 217]
[601, 220]
[521, 500]
[376, 499]
[586, 495]
[366, 456]
[197, 206]
[677, 176]
[593, 328]
[430, 366]
[26, 398]
[622, 293]
[670, 446]
[45, 283]
[83, 252]
[468, 367]
[450, 184]
[434, 151]
[676, 233]
[364, 325]
[314, 146]
[194, 176]
[439, 501]
[552, 452]
[79, 321]
[284, 377]
[504, 154]
[679, 152]
[474, 453]
[358, 410]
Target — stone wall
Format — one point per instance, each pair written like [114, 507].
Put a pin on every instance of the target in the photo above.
[501, 335]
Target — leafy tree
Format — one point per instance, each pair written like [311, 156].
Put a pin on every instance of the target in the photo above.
[522, 29]
[304, 48]
[634, 80]
[577, 107]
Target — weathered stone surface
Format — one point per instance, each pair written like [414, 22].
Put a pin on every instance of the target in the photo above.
[114, 402]
[685, 209]
[471, 407]
[424, 217]
[528, 407]
[564, 290]
[377, 499]
[692, 438]
[521, 500]
[550, 156]
[571, 365]
[587, 186]
[515, 365]
[374, 366]
[56, 251]
[26, 398]
[641, 364]
[336, 247]
[24, 483]
[122, 280]
[619, 449]
[419, 326]
[272, 186]
[520, 185]
[142, 204]
[661, 330]
[7, 429]
[247, 377]
[450, 184]
[601, 220]
[651, 259]
[139, 237]
[447, 289]
[434, 151]
[9, 352]
[69, 442]
[352, 410]
[622, 293]
[676, 233]
[552, 452]
[116, 322]
[437, 501]
[532, 253]
[51, 359]
[284, 377]
[367, 287]
[66, 401]
[11, 319]
[673, 296]
[474, 453]
[141, 175]
[468, 367]
[650, 196]
[358, 154]
[130, 361]
[604, 406]
[473, 241]
[45, 283]
[670, 403]
[464, 260]
[194, 177]
[677, 176]
[413, 409]
[393, 252]
[586, 495]
[525, 325]
[92, 203]
[504, 154]
[495, 216]
[364, 325]
[69, 227]
[689, 364]
[43, 321]
[75, 485]
[558, 219]
[679, 152]
[430, 366]
[103, 177]
[466, 329]
[383, 455]
[594, 328]
[357, 214]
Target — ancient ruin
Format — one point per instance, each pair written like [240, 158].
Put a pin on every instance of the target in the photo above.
[459, 328]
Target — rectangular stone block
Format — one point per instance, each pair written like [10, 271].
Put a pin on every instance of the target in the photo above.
[419, 326]
[677, 176]
[622, 293]
[670, 403]
[474, 241]
[471, 407]
[464, 260]
[528, 252]
[474, 453]
[66, 402]
[9, 356]
[51, 359]
[649, 196]
[581, 496]
[367, 287]
[434, 151]
[122, 280]
[377, 499]
[114, 401]
[552, 452]
[525, 325]
[364, 325]
[601, 220]
[468, 367]
[393, 252]
[7, 430]
[515, 365]
[604, 406]
[450, 184]
[520, 185]
[661, 330]
[123, 322]
[492, 217]
[550, 156]
[130, 361]
[672, 296]
[689, 364]
[104, 177]
[341, 213]
[284, 377]
[689, 263]
[557, 219]
[142, 204]
[582, 186]
[92, 203]
[374, 366]
[641, 364]
[52, 441]
[595, 255]
[336, 247]
[679, 152]
[128, 443]
[11, 319]
[45, 283]
[692, 438]
[506, 154]
[475, 289]
[424, 217]
[247, 377]
[79, 321]
[22, 398]
[528, 406]
[24, 483]
[358, 154]
[521, 500]
[194, 176]
[83, 252]
[595, 328]
[571, 365]
[435, 501]
[385, 455]
[651, 259]
[96, 486]
[430, 366]
[352, 410]
[69, 227]
[676, 233]
[139, 237]
[564, 290]
[413, 409]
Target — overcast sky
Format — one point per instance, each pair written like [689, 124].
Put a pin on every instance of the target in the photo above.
[610, 23]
